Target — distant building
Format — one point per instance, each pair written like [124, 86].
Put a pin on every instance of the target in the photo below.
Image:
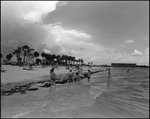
[144, 66]
[123, 64]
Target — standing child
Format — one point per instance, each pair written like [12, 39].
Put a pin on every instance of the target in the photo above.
[53, 78]
[109, 74]
[128, 70]
[89, 75]
[70, 75]
[77, 77]
[81, 74]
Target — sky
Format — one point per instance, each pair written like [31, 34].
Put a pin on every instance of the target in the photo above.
[102, 32]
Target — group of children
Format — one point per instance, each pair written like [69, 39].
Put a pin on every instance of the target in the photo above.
[78, 76]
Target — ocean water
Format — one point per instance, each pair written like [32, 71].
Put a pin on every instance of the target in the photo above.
[125, 95]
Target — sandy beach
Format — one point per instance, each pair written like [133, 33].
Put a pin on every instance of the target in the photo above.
[94, 99]
[17, 74]
[17, 102]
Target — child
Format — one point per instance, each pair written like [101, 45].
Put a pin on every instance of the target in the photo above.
[30, 66]
[70, 75]
[53, 78]
[81, 74]
[76, 77]
[128, 70]
[109, 74]
[89, 75]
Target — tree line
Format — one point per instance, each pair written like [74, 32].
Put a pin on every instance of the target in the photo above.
[47, 59]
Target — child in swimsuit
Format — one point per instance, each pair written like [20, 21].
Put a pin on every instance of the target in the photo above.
[89, 75]
[53, 78]
[70, 75]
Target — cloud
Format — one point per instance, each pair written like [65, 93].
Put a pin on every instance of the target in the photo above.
[62, 3]
[129, 41]
[18, 28]
[146, 51]
[46, 51]
[69, 33]
[34, 11]
[63, 41]
[37, 10]
[136, 53]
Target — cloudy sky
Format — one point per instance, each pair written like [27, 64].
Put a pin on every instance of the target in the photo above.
[99, 31]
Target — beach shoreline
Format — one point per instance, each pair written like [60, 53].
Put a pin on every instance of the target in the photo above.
[61, 75]
[15, 100]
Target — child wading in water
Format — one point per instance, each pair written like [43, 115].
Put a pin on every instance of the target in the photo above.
[76, 77]
[128, 70]
[81, 74]
[89, 75]
[70, 75]
[109, 76]
[53, 78]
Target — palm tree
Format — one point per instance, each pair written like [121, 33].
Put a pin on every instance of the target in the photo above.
[25, 48]
[36, 54]
[69, 59]
[66, 58]
[19, 59]
[52, 58]
[38, 61]
[9, 56]
[42, 55]
[17, 52]
[77, 61]
[73, 59]
[63, 58]
[58, 57]
[82, 61]
[47, 58]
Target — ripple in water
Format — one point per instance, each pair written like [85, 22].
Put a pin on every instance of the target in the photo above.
[126, 96]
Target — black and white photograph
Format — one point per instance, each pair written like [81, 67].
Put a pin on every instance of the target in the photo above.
[74, 59]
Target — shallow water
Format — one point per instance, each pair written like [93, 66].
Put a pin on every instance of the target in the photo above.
[125, 95]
